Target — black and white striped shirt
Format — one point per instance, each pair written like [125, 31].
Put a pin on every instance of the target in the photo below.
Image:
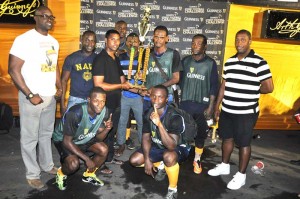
[242, 84]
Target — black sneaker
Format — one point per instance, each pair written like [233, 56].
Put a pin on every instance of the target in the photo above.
[161, 174]
[171, 194]
[130, 144]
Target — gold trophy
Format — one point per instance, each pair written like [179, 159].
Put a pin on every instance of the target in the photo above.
[143, 28]
[144, 25]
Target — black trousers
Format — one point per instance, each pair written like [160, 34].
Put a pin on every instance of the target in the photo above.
[196, 110]
[109, 140]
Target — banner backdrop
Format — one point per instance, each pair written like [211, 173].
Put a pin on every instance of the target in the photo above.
[183, 19]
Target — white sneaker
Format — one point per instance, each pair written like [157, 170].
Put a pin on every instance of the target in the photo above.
[220, 169]
[239, 180]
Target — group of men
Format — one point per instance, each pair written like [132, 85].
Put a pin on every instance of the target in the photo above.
[101, 98]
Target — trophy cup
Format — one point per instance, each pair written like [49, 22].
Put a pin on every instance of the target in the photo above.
[143, 28]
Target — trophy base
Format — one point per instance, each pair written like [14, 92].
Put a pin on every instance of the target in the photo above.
[141, 87]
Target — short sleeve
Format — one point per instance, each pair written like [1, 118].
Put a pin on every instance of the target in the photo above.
[72, 119]
[263, 71]
[67, 64]
[146, 123]
[99, 64]
[18, 48]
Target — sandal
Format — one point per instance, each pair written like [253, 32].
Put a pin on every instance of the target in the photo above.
[105, 170]
[115, 161]
[119, 152]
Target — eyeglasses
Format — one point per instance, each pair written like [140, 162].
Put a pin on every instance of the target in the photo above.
[51, 17]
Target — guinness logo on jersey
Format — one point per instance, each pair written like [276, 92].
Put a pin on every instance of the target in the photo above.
[153, 133]
[153, 64]
[195, 76]
[192, 69]
[87, 75]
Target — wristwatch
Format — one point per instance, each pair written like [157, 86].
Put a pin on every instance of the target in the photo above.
[29, 96]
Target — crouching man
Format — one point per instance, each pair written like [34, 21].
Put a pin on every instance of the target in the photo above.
[80, 135]
[162, 144]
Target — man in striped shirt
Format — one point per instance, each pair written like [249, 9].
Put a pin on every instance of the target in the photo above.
[245, 76]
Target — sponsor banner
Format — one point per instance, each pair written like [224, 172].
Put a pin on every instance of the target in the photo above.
[18, 11]
[183, 21]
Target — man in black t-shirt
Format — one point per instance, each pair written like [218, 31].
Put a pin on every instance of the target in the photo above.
[162, 143]
[108, 74]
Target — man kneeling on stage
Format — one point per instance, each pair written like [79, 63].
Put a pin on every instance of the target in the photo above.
[162, 143]
[80, 135]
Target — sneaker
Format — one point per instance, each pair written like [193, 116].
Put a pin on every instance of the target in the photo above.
[220, 169]
[61, 182]
[161, 174]
[35, 183]
[92, 178]
[197, 167]
[116, 146]
[130, 144]
[172, 194]
[239, 180]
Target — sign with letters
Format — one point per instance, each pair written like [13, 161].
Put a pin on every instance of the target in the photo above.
[281, 25]
[18, 11]
[183, 19]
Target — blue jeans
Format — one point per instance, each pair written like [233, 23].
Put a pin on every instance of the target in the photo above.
[136, 104]
[75, 100]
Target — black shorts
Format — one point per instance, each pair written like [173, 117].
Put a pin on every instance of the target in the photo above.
[63, 152]
[237, 126]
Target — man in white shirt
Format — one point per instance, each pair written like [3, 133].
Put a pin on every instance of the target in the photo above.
[33, 68]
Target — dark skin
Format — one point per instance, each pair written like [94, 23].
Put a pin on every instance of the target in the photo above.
[96, 104]
[242, 44]
[121, 27]
[15, 63]
[159, 101]
[88, 42]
